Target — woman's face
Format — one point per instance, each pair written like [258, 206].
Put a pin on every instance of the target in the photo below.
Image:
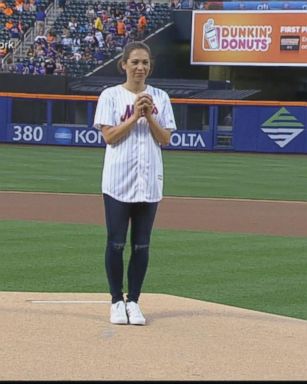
[137, 66]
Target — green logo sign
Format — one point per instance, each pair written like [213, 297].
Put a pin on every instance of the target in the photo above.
[282, 127]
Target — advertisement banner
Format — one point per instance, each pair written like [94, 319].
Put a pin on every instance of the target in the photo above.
[270, 129]
[82, 136]
[270, 38]
[261, 5]
[4, 102]
[191, 140]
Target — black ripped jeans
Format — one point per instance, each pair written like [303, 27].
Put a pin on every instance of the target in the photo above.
[118, 215]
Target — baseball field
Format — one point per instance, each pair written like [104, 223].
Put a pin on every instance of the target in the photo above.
[226, 290]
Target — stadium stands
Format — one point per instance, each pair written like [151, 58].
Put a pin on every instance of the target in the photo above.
[16, 17]
[86, 34]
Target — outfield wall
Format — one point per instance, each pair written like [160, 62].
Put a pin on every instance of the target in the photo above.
[203, 125]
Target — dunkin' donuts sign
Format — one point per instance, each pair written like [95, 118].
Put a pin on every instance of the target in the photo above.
[249, 38]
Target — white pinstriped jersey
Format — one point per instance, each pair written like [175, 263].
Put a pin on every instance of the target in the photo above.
[133, 168]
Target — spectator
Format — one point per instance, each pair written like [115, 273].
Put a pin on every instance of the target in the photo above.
[30, 52]
[128, 24]
[141, 26]
[59, 68]
[31, 65]
[26, 6]
[90, 13]
[110, 44]
[32, 7]
[9, 24]
[113, 28]
[51, 37]
[132, 6]
[76, 56]
[20, 27]
[39, 68]
[66, 40]
[40, 39]
[175, 4]
[121, 27]
[150, 6]
[117, 14]
[73, 24]
[62, 4]
[14, 32]
[98, 56]
[19, 67]
[99, 10]
[8, 11]
[2, 5]
[19, 6]
[3, 51]
[8, 65]
[99, 38]
[40, 21]
[98, 24]
[90, 38]
[140, 6]
[133, 34]
[87, 56]
[104, 16]
[121, 42]
[49, 66]
[39, 50]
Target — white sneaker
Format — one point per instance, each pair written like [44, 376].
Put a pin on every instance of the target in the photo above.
[134, 313]
[118, 313]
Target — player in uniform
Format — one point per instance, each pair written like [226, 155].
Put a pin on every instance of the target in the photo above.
[135, 119]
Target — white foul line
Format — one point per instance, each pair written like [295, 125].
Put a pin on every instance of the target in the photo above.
[70, 301]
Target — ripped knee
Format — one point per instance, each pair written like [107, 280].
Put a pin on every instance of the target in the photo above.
[117, 246]
[138, 247]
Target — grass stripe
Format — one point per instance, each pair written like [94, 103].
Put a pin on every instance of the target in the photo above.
[200, 174]
[265, 273]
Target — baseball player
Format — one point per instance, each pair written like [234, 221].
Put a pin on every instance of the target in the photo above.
[135, 119]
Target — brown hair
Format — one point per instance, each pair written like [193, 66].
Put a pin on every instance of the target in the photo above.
[128, 48]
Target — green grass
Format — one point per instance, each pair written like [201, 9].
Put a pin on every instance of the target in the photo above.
[202, 174]
[264, 273]
[50, 169]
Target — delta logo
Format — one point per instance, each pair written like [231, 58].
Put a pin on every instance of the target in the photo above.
[282, 127]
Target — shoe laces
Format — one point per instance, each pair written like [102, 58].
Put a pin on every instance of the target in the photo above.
[120, 307]
[134, 308]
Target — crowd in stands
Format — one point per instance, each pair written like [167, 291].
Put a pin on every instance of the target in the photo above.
[86, 35]
[16, 17]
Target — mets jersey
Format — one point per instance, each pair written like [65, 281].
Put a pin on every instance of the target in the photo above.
[133, 168]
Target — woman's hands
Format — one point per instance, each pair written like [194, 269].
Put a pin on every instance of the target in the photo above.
[143, 105]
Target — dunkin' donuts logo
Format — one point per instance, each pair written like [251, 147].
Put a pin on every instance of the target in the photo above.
[236, 37]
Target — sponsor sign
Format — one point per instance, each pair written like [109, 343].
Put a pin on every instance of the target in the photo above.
[188, 140]
[270, 129]
[271, 38]
[79, 136]
[261, 5]
[282, 127]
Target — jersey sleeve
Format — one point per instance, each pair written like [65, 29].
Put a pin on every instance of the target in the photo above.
[104, 114]
[167, 118]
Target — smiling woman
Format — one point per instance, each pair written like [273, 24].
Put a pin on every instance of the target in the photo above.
[135, 119]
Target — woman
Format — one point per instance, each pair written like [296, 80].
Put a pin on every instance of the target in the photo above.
[134, 119]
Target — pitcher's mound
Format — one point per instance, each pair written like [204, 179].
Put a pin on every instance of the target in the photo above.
[67, 336]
